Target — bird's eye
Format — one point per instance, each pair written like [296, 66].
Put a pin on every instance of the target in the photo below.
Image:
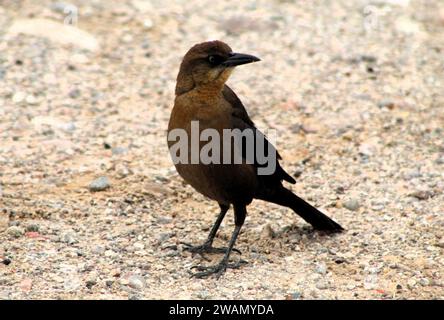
[214, 60]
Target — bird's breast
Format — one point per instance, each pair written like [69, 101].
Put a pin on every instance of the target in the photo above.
[212, 113]
[218, 181]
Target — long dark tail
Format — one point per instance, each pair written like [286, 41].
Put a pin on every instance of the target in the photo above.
[306, 211]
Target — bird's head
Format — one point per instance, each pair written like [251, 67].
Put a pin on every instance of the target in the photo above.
[209, 64]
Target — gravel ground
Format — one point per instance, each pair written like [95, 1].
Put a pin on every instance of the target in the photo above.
[92, 208]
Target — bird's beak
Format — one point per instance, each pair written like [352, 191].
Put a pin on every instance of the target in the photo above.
[236, 59]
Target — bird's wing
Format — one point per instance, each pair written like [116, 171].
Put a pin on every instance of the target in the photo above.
[242, 121]
[237, 105]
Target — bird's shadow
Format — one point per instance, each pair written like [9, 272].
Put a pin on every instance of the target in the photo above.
[302, 232]
[287, 240]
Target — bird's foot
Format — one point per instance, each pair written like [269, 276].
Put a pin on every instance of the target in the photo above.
[217, 270]
[206, 248]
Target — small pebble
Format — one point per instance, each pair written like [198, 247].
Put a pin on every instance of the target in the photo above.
[204, 294]
[339, 260]
[18, 97]
[411, 174]
[99, 184]
[351, 286]
[119, 150]
[136, 282]
[164, 220]
[26, 285]
[122, 171]
[71, 283]
[69, 238]
[31, 100]
[322, 285]
[268, 232]
[424, 282]
[139, 246]
[440, 243]
[32, 227]
[411, 283]
[90, 283]
[148, 24]
[15, 231]
[321, 268]
[421, 194]
[74, 93]
[352, 204]
[110, 254]
[60, 7]
[370, 282]
[295, 295]
[6, 261]
[386, 104]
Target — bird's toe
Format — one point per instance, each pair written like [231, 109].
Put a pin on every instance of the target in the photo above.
[217, 270]
[206, 248]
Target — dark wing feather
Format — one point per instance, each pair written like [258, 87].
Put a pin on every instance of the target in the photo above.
[242, 121]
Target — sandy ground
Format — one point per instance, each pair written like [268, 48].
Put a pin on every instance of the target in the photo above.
[354, 89]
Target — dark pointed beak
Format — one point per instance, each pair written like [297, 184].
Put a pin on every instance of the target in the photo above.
[236, 59]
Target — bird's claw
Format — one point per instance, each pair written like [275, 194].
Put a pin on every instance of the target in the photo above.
[218, 270]
[206, 248]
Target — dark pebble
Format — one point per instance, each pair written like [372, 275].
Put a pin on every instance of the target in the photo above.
[295, 295]
[339, 260]
[370, 69]
[386, 104]
[298, 173]
[368, 58]
[75, 93]
[32, 228]
[90, 283]
[340, 190]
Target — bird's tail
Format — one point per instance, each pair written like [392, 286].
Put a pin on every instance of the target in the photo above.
[313, 216]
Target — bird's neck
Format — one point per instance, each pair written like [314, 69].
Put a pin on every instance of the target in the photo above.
[210, 89]
[186, 83]
[205, 89]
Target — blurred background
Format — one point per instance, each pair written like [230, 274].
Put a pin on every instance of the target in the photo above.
[90, 203]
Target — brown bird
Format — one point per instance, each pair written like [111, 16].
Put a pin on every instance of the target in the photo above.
[203, 96]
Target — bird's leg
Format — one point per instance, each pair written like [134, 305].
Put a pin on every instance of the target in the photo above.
[239, 214]
[207, 246]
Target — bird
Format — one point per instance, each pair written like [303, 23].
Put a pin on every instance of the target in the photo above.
[203, 96]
